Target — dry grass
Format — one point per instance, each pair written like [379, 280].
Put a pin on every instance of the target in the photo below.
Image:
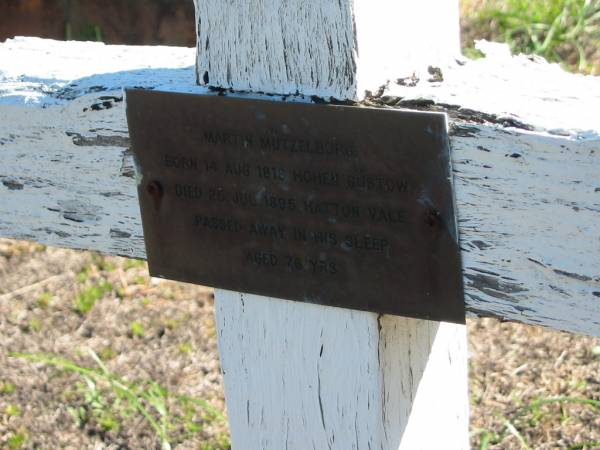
[146, 329]
[545, 384]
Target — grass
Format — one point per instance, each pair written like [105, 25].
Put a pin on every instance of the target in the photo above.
[12, 410]
[35, 325]
[565, 31]
[109, 400]
[87, 298]
[98, 410]
[44, 300]
[134, 263]
[531, 415]
[7, 388]
[137, 329]
[87, 32]
[17, 441]
[185, 348]
[591, 445]
[107, 353]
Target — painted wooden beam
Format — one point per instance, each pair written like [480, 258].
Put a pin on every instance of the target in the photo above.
[303, 376]
[326, 48]
[528, 223]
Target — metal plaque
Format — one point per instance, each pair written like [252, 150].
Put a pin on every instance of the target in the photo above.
[335, 205]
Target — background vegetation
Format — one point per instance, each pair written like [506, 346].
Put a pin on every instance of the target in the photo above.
[563, 31]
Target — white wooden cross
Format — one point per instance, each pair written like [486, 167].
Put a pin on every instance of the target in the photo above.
[526, 154]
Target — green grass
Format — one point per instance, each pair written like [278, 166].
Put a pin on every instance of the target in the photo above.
[44, 300]
[84, 274]
[87, 298]
[559, 30]
[12, 410]
[107, 353]
[110, 400]
[102, 262]
[35, 325]
[171, 324]
[591, 445]
[17, 441]
[133, 263]
[87, 32]
[531, 415]
[7, 388]
[137, 329]
[185, 348]
[140, 279]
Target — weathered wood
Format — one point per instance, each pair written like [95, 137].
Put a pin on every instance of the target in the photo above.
[345, 379]
[325, 48]
[299, 375]
[398, 369]
[528, 201]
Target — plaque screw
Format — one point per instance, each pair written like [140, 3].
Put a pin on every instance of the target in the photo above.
[433, 218]
[155, 191]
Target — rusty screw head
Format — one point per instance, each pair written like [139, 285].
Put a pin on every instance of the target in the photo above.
[155, 190]
[433, 218]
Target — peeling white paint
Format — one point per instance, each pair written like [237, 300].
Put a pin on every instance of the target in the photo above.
[301, 376]
[305, 376]
[397, 37]
[277, 46]
[36, 71]
[521, 87]
[528, 224]
[327, 48]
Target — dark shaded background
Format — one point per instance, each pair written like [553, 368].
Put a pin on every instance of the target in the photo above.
[148, 22]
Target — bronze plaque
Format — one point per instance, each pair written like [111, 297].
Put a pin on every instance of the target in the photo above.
[335, 205]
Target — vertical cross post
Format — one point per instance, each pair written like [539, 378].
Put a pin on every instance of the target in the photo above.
[302, 376]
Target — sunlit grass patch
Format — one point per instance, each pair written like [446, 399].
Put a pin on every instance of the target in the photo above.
[185, 348]
[12, 410]
[534, 414]
[110, 401]
[134, 264]
[137, 329]
[44, 300]
[87, 298]
[35, 325]
[107, 353]
[17, 441]
[7, 388]
[564, 31]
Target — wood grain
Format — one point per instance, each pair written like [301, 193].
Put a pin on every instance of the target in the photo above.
[303, 376]
[528, 200]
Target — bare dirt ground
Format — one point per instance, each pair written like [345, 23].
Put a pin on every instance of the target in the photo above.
[529, 387]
